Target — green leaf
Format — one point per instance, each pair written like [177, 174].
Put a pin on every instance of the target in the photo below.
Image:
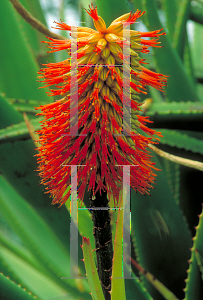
[175, 111]
[161, 235]
[18, 165]
[92, 275]
[180, 26]
[166, 293]
[170, 9]
[17, 131]
[187, 58]
[180, 87]
[36, 235]
[178, 15]
[28, 105]
[181, 140]
[194, 281]
[10, 290]
[31, 278]
[19, 75]
[175, 108]
[31, 35]
[85, 225]
[22, 252]
[8, 115]
[172, 171]
[135, 289]
[196, 13]
[33, 230]
[118, 284]
[199, 261]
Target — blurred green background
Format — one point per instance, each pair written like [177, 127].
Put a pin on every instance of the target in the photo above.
[34, 235]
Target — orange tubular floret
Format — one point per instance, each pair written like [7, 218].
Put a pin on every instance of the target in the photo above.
[62, 26]
[133, 17]
[152, 43]
[154, 33]
[93, 12]
[57, 45]
[97, 49]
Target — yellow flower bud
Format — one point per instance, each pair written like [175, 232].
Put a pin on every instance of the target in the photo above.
[93, 38]
[101, 44]
[103, 73]
[93, 58]
[83, 60]
[99, 84]
[81, 34]
[134, 33]
[110, 111]
[133, 53]
[88, 49]
[86, 29]
[100, 24]
[105, 91]
[134, 62]
[121, 18]
[118, 71]
[110, 60]
[115, 28]
[119, 60]
[82, 79]
[105, 53]
[115, 87]
[111, 38]
[99, 66]
[112, 96]
[109, 80]
[136, 46]
[135, 81]
[114, 48]
[101, 100]
[135, 97]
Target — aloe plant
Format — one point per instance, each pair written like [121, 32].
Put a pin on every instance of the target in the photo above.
[166, 226]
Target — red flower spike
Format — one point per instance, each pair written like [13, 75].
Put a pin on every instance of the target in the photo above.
[99, 147]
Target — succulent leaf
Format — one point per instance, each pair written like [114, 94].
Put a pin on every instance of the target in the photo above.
[194, 280]
[92, 275]
[117, 282]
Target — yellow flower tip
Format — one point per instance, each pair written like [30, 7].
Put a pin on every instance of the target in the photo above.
[92, 12]
[121, 18]
[134, 16]
[102, 44]
[111, 38]
[100, 25]
[115, 28]
[98, 21]
[95, 37]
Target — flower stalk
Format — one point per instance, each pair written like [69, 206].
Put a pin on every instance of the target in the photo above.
[33, 21]
[103, 239]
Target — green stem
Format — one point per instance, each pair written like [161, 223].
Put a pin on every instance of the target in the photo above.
[33, 21]
[103, 240]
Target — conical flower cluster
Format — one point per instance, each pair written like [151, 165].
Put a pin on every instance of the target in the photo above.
[99, 148]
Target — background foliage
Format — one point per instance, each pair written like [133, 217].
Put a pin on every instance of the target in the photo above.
[167, 227]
